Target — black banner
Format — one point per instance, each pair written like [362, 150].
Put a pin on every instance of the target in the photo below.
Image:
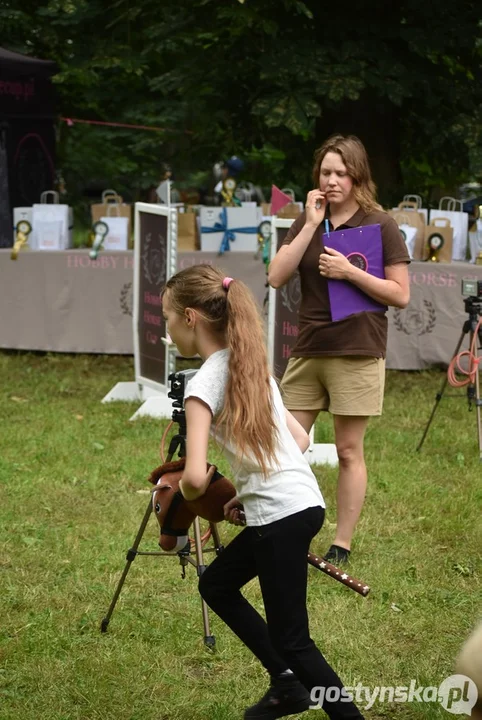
[6, 232]
[287, 303]
[27, 116]
[153, 239]
[26, 88]
[31, 160]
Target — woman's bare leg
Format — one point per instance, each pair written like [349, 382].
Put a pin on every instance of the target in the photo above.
[352, 476]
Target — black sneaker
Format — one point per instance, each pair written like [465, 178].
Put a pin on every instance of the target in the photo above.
[286, 696]
[337, 555]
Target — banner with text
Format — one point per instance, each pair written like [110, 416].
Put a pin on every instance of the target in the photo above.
[155, 237]
[283, 307]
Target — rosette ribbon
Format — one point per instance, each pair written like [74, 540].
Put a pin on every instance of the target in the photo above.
[23, 230]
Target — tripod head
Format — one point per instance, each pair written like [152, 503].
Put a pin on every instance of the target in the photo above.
[473, 305]
[178, 381]
[472, 294]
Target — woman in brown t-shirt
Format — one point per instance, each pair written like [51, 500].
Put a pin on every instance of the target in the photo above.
[340, 366]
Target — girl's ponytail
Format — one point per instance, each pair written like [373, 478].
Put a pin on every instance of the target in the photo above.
[248, 414]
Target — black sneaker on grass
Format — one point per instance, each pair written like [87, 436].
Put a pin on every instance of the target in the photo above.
[286, 696]
[337, 555]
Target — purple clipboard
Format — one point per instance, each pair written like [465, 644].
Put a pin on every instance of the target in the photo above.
[363, 247]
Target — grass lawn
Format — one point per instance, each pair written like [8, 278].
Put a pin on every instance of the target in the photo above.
[72, 495]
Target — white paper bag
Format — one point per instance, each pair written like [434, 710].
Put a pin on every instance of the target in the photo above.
[409, 234]
[475, 242]
[49, 235]
[118, 235]
[45, 213]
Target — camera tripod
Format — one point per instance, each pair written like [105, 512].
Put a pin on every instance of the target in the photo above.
[177, 444]
[472, 327]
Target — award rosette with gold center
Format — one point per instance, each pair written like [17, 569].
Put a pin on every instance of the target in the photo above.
[21, 240]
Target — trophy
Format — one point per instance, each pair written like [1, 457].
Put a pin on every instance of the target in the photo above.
[227, 192]
[100, 230]
[23, 231]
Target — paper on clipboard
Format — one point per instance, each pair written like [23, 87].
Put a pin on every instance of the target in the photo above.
[363, 248]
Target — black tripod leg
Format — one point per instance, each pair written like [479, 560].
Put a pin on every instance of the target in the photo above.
[438, 398]
[478, 401]
[215, 535]
[439, 395]
[131, 554]
[209, 640]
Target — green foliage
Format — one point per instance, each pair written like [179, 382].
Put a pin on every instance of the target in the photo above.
[231, 77]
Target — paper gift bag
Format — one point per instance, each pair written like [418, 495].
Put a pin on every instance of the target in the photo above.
[265, 208]
[110, 197]
[51, 224]
[117, 237]
[290, 211]
[247, 191]
[405, 220]
[49, 235]
[418, 200]
[412, 216]
[243, 195]
[293, 209]
[187, 232]
[363, 248]
[439, 235]
[408, 233]
[229, 228]
[475, 240]
[459, 221]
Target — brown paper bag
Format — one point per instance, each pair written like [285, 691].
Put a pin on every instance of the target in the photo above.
[110, 197]
[265, 209]
[292, 210]
[441, 229]
[187, 232]
[408, 210]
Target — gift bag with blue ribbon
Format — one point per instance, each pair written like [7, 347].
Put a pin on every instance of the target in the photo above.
[229, 228]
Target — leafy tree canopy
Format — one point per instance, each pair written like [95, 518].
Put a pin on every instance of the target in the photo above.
[267, 80]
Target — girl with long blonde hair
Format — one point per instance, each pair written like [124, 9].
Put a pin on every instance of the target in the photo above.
[234, 398]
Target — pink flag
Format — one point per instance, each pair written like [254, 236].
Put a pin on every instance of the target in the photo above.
[278, 199]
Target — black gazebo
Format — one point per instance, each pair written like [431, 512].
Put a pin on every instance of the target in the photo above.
[27, 134]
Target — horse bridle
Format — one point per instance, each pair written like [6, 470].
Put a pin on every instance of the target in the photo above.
[177, 499]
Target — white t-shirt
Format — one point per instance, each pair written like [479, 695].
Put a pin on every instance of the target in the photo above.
[291, 485]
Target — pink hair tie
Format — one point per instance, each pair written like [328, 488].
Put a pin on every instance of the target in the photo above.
[227, 282]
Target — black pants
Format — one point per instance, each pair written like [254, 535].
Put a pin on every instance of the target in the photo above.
[277, 554]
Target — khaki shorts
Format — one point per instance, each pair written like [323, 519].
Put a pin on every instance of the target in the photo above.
[347, 385]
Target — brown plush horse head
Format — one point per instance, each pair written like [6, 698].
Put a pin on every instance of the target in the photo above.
[175, 515]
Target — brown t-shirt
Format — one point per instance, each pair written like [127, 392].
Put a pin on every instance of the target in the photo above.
[362, 334]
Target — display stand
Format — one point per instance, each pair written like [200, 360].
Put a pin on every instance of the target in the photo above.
[155, 257]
